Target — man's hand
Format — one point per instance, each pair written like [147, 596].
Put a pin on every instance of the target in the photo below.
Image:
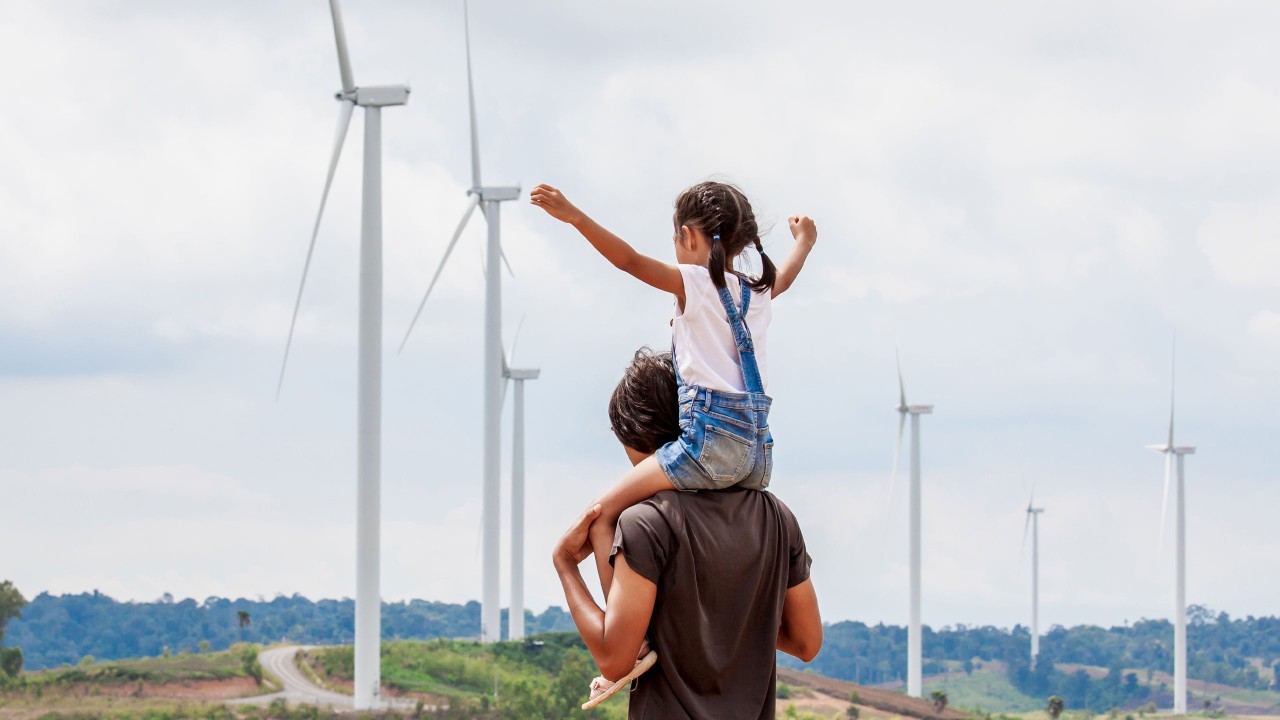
[803, 229]
[574, 547]
[555, 203]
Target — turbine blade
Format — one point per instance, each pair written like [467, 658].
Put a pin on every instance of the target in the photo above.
[1173, 374]
[340, 37]
[902, 388]
[471, 102]
[475, 200]
[503, 254]
[893, 481]
[1026, 528]
[339, 137]
[511, 357]
[1164, 502]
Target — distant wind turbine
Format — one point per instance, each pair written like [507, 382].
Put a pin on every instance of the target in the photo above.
[487, 199]
[1033, 525]
[1174, 454]
[515, 625]
[915, 683]
[368, 620]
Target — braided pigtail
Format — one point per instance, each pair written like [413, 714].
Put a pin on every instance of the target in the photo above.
[715, 262]
[768, 273]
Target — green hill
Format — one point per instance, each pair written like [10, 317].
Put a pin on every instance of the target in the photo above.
[544, 677]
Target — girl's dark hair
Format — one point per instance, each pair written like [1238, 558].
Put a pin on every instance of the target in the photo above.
[724, 215]
[643, 412]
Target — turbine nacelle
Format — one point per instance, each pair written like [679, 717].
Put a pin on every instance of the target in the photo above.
[522, 373]
[375, 95]
[1175, 449]
[496, 194]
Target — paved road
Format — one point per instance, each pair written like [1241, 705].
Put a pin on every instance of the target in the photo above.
[298, 689]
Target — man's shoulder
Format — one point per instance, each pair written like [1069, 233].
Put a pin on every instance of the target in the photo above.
[673, 505]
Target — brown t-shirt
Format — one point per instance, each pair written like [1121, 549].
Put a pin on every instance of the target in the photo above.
[723, 561]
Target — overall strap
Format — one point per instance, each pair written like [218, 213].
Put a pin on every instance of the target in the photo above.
[675, 364]
[742, 336]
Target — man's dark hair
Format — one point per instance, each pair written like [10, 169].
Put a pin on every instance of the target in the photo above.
[644, 411]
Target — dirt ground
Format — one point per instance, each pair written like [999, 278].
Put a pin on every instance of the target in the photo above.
[887, 702]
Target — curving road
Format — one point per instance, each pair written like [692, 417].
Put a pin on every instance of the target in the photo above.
[298, 689]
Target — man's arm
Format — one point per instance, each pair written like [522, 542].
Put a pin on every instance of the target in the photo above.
[613, 636]
[800, 633]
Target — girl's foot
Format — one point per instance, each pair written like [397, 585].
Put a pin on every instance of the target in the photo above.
[602, 689]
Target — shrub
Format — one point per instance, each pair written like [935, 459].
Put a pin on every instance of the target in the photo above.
[10, 661]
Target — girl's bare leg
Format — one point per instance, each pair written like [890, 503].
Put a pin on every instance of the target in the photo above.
[641, 482]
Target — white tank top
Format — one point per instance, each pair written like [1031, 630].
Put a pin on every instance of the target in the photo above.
[705, 350]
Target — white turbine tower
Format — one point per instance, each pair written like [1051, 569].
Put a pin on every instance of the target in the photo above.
[1033, 526]
[368, 620]
[914, 664]
[1174, 454]
[488, 199]
[515, 623]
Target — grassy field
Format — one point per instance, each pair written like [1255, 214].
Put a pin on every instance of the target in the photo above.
[547, 676]
[987, 689]
[159, 688]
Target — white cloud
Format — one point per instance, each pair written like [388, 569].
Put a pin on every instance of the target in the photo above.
[1023, 200]
[1265, 326]
[1242, 241]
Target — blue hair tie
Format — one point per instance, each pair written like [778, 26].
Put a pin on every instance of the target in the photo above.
[716, 236]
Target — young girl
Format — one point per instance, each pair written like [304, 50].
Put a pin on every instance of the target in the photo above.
[718, 347]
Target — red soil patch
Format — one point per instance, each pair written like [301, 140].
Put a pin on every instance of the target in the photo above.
[878, 698]
[185, 690]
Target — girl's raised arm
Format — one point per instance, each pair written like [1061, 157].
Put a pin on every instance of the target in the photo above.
[806, 235]
[663, 276]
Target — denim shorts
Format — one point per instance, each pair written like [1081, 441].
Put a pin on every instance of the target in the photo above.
[724, 441]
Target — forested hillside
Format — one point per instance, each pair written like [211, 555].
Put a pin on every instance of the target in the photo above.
[56, 629]
[1243, 653]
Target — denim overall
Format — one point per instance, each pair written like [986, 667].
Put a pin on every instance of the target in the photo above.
[724, 436]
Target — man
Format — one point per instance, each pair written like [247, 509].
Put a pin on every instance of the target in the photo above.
[716, 580]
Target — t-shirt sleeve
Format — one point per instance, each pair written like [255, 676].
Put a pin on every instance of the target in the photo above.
[798, 567]
[644, 536]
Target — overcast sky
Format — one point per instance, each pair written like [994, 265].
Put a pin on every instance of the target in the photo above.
[1027, 200]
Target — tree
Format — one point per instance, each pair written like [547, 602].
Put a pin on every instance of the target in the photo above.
[242, 616]
[852, 712]
[939, 700]
[11, 604]
[203, 646]
[10, 661]
[1055, 707]
[249, 661]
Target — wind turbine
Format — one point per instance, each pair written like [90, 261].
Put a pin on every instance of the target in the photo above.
[1175, 453]
[914, 665]
[515, 624]
[368, 620]
[1033, 525]
[488, 199]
